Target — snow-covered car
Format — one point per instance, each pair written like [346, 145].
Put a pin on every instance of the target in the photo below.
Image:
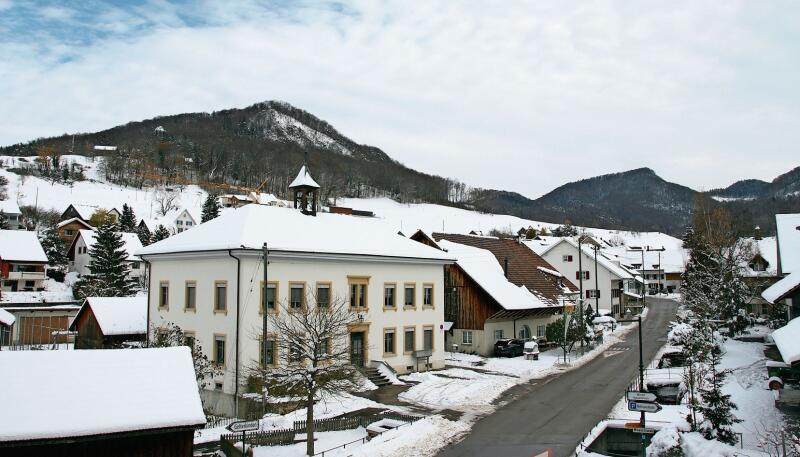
[508, 347]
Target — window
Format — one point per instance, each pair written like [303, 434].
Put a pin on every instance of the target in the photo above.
[585, 275]
[409, 345]
[219, 349]
[358, 291]
[498, 334]
[566, 258]
[525, 332]
[427, 295]
[408, 297]
[218, 385]
[191, 295]
[296, 295]
[69, 232]
[323, 295]
[615, 293]
[541, 330]
[295, 352]
[189, 223]
[220, 296]
[179, 222]
[272, 296]
[322, 349]
[388, 296]
[163, 294]
[592, 293]
[466, 337]
[189, 340]
[427, 338]
[388, 341]
[134, 265]
[267, 354]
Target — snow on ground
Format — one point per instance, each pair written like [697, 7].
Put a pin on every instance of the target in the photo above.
[455, 388]
[55, 292]
[323, 441]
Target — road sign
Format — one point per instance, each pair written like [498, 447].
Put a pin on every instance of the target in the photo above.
[243, 426]
[644, 407]
[648, 431]
[642, 396]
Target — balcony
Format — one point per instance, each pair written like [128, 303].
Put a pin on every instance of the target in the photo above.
[27, 275]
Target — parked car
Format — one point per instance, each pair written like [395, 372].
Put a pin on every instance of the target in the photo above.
[508, 347]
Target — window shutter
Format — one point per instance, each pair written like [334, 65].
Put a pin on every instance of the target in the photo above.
[587, 275]
[598, 293]
[577, 275]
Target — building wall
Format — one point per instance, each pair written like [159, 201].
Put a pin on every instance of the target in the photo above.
[74, 227]
[36, 326]
[162, 443]
[204, 323]
[12, 279]
[605, 280]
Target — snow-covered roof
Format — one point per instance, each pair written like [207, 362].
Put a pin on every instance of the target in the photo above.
[289, 230]
[789, 241]
[21, 245]
[9, 207]
[482, 266]
[131, 242]
[767, 248]
[787, 339]
[117, 315]
[74, 219]
[105, 148]
[153, 223]
[86, 211]
[6, 318]
[673, 258]
[122, 390]
[782, 288]
[303, 179]
[602, 260]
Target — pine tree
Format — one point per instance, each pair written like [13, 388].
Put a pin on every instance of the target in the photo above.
[55, 248]
[716, 408]
[109, 270]
[144, 234]
[4, 221]
[127, 222]
[161, 233]
[210, 209]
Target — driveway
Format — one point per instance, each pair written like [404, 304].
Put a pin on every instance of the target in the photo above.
[557, 412]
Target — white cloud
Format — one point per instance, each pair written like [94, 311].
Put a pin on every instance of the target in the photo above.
[522, 96]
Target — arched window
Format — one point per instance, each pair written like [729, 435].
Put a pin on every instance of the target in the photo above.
[525, 333]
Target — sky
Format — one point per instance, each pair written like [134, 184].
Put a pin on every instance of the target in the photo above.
[515, 95]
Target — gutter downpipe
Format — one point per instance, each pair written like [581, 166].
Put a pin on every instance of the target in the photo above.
[236, 377]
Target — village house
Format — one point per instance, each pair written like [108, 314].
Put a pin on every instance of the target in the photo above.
[110, 322]
[787, 289]
[13, 215]
[149, 225]
[604, 281]
[68, 229]
[497, 289]
[184, 220]
[760, 270]
[23, 263]
[209, 282]
[130, 403]
[80, 258]
[85, 212]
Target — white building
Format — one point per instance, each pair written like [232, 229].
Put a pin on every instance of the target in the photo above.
[13, 215]
[209, 282]
[787, 289]
[604, 284]
[184, 220]
[79, 258]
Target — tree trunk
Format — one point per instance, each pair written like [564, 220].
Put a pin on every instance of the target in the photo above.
[310, 423]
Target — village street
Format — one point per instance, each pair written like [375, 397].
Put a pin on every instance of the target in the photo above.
[558, 411]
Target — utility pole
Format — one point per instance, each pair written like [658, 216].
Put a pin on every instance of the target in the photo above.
[580, 287]
[596, 284]
[641, 380]
[264, 339]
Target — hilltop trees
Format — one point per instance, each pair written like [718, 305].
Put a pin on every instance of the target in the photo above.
[109, 269]
[210, 209]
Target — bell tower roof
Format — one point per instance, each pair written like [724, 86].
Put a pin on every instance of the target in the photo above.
[304, 179]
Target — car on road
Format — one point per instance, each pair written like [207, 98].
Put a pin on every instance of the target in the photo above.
[508, 347]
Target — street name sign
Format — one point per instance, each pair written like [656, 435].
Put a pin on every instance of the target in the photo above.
[644, 407]
[648, 431]
[649, 397]
[243, 426]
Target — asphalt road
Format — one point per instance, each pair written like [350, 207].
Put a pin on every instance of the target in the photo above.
[557, 412]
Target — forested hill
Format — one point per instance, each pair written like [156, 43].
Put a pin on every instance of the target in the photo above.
[266, 143]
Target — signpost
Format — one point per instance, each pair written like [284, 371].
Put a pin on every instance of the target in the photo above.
[243, 426]
[648, 397]
[643, 407]
[648, 431]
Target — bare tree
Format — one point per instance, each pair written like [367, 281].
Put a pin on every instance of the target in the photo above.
[170, 335]
[313, 355]
[166, 200]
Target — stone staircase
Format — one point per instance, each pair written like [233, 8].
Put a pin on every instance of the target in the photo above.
[376, 377]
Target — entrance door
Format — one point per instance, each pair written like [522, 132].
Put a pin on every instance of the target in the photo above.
[357, 349]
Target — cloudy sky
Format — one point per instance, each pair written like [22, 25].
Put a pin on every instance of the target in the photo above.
[523, 96]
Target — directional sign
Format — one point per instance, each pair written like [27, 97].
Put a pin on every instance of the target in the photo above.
[644, 407]
[648, 431]
[642, 396]
[243, 426]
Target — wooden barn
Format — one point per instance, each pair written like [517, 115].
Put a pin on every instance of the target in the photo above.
[120, 402]
[110, 322]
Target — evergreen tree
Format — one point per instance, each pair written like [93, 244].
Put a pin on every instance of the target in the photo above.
[109, 270]
[161, 233]
[144, 234]
[210, 209]
[55, 248]
[127, 222]
[716, 408]
[4, 221]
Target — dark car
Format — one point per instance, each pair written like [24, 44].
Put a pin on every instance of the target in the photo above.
[508, 347]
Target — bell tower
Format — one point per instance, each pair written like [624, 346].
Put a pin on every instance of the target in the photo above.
[305, 191]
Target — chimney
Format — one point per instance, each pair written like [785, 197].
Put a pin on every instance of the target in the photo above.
[757, 234]
[505, 267]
